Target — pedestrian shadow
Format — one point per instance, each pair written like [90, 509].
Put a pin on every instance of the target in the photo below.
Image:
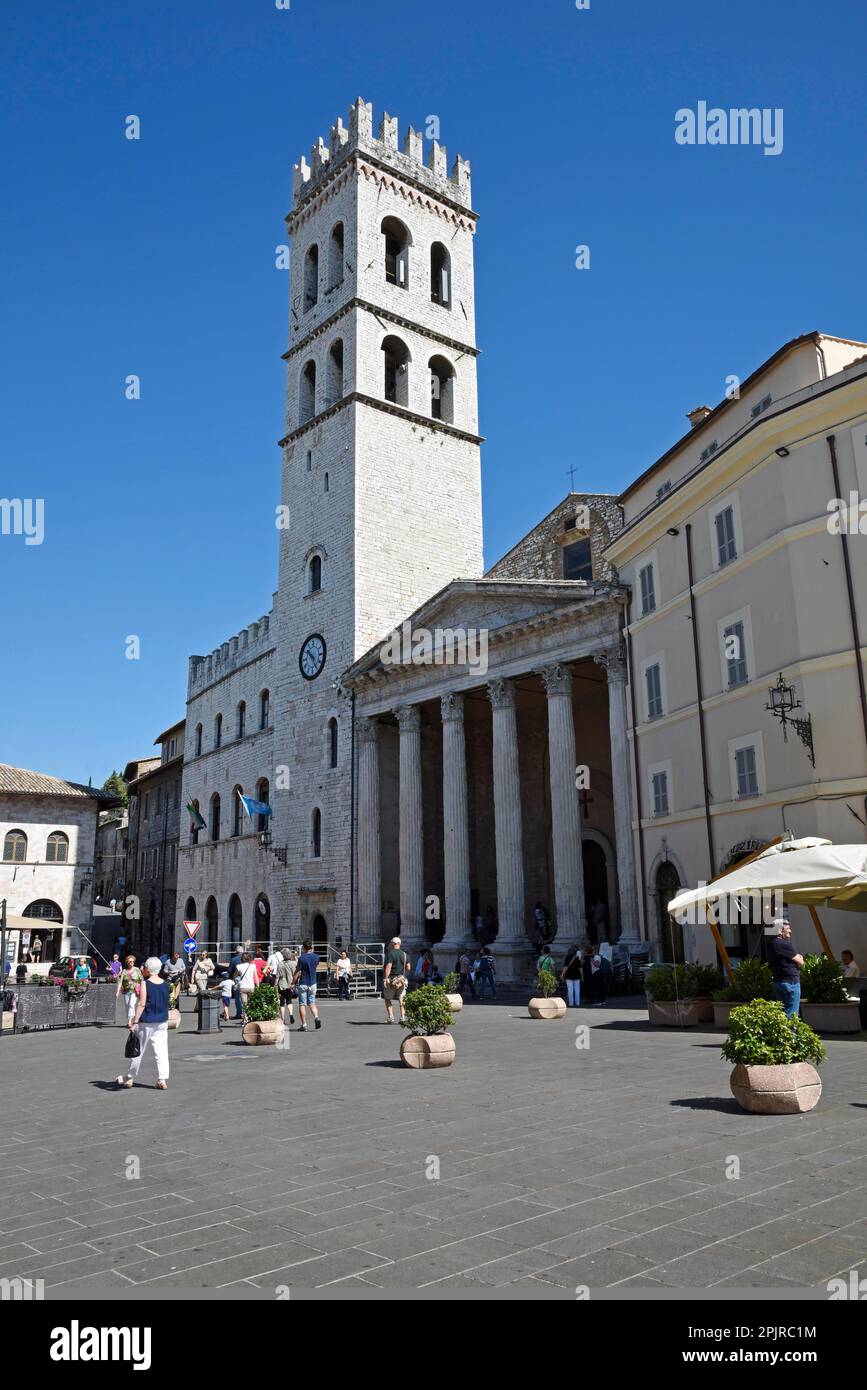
[722, 1103]
[367, 1023]
[107, 1086]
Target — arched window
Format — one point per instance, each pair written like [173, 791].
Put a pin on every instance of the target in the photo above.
[262, 918]
[15, 847]
[238, 812]
[317, 834]
[212, 920]
[578, 560]
[396, 360]
[194, 825]
[263, 792]
[215, 816]
[44, 909]
[440, 275]
[311, 277]
[335, 256]
[198, 740]
[314, 573]
[218, 732]
[307, 394]
[190, 911]
[396, 241]
[236, 920]
[325, 483]
[335, 371]
[57, 849]
[442, 393]
[264, 709]
[332, 743]
[242, 719]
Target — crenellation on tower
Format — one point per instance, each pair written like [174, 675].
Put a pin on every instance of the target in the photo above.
[408, 159]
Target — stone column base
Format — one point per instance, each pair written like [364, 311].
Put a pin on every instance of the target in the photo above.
[515, 961]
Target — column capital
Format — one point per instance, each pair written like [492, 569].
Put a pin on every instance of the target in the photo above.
[614, 661]
[557, 679]
[409, 718]
[366, 730]
[501, 694]
[452, 706]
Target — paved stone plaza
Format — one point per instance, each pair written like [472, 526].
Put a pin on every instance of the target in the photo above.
[559, 1167]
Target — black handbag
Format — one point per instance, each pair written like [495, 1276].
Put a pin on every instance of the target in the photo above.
[133, 1045]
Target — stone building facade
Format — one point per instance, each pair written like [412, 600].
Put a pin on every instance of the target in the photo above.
[152, 848]
[111, 855]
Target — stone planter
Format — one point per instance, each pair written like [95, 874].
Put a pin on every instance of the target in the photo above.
[266, 1033]
[832, 1018]
[555, 1007]
[784, 1090]
[456, 1002]
[722, 1012]
[174, 1018]
[678, 1013]
[436, 1050]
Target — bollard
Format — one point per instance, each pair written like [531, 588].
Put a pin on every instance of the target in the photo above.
[209, 1013]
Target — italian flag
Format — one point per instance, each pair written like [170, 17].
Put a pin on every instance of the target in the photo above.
[196, 817]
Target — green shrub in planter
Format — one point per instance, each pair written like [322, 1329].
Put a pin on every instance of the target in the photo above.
[822, 981]
[547, 983]
[752, 980]
[450, 982]
[263, 1004]
[700, 981]
[665, 983]
[427, 1011]
[760, 1035]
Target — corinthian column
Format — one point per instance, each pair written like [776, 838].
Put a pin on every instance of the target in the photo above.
[369, 861]
[411, 842]
[627, 882]
[456, 836]
[507, 814]
[565, 811]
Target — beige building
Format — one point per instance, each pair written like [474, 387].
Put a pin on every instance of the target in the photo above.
[741, 577]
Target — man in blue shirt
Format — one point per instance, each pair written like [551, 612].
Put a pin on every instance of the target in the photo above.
[304, 980]
[785, 966]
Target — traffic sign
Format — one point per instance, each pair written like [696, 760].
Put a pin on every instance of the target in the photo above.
[191, 928]
[189, 945]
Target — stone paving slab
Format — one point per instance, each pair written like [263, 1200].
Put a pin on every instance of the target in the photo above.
[557, 1167]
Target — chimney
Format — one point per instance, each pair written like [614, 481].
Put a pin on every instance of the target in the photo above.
[699, 415]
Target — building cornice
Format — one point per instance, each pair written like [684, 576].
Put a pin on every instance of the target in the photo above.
[359, 398]
[414, 190]
[466, 349]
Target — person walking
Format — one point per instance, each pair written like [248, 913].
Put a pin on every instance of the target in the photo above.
[785, 963]
[202, 972]
[113, 969]
[236, 960]
[174, 974]
[283, 977]
[546, 960]
[591, 969]
[129, 985]
[465, 975]
[485, 973]
[247, 981]
[151, 1022]
[394, 979]
[343, 971]
[227, 989]
[571, 974]
[304, 981]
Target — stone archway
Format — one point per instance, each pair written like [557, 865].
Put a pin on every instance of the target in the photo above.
[670, 933]
[600, 881]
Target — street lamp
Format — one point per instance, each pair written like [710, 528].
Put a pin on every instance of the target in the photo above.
[781, 704]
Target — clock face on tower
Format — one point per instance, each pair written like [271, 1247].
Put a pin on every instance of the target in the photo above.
[312, 656]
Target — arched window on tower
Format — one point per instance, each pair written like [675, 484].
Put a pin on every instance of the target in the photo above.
[396, 360]
[237, 812]
[314, 573]
[215, 816]
[335, 371]
[442, 393]
[263, 792]
[194, 825]
[198, 740]
[325, 483]
[335, 256]
[264, 709]
[307, 393]
[242, 719]
[311, 277]
[332, 743]
[212, 921]
[218, 733]
[440, 275]
[396, 241]
[317, 834]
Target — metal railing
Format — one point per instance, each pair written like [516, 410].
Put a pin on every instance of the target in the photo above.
[367, 959]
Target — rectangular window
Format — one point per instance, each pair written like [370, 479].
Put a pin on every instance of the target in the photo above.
[660, 793]
[735, 655]
[745, 765]
[648, 589]
[654, 691]
[578, 560]
[726, 545]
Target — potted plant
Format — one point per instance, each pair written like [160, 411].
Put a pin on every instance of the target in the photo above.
[752, 980]
[548, 1004]
[263, 1026]
[450, 985]
[671, 1001]
[825, 1005]
[773, 1056]
[428, 1015]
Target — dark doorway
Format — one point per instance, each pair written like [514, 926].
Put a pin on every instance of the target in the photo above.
[670, 931]
[320, 930]
[596, 891]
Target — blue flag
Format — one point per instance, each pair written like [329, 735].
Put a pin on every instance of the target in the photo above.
[254, 808]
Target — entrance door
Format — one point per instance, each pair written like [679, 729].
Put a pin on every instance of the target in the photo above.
[596, 891]
[320, 930]
[670, 931]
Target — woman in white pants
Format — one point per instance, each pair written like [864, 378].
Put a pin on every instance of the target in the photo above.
[151, 1022]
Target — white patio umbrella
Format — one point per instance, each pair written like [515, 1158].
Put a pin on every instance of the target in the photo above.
[808, 872]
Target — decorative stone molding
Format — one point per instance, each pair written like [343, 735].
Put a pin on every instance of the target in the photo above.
[557, 680]
[501, 694]
[409, 718]
[614, 662]
[452, 706]
[366, 731]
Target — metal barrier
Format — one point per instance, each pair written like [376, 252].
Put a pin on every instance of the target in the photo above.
[367, 959]
[62, 1005]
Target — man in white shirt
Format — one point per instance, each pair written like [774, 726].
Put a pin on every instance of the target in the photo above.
[851, 968]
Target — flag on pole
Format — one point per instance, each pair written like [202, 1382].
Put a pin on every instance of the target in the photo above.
[196, 817]
[254, 808]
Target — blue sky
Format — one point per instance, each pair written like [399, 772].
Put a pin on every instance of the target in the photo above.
[156, 257]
